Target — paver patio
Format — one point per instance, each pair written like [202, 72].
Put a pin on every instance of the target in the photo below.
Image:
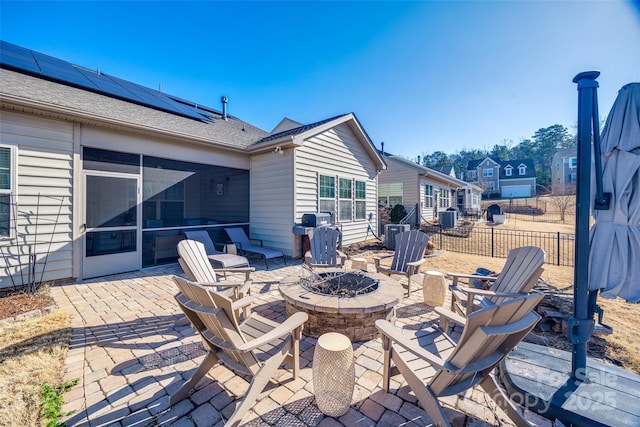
[130, 356]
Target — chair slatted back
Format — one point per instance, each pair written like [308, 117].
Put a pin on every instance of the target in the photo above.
[237, 235]
[220, 327]
[323, 244]
[410, 247]
[203, 237]
[488, 336]
[195, 263]
[520, 273]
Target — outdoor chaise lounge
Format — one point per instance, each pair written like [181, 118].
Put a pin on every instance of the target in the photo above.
[246, 245]
[408, 256]
[257, 347]
[218, 259]
[434, 365]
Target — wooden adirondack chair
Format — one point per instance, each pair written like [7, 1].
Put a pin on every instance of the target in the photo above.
[195, 263]
[408, 256]
[520, 273]
[323, 249]
[434, 365]
[257, 347]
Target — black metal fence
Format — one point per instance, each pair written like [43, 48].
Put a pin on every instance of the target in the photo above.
[559, 247]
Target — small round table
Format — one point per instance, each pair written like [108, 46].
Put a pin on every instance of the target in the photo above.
[359, 264]
[434, 288]
[333, 374]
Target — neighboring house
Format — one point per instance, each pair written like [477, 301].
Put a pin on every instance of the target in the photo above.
[99, 175]
[410, 184]
[503, 179]
[564, 171]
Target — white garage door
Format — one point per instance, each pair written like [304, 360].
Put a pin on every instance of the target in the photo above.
[510, 191]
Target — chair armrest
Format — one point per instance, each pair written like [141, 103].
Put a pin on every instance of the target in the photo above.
[242, 303]
[285, 328]
[396, 336]
[456, 276]
[246, 270]
[376, 260]
[490, 293]
[450, 316]
[256, 240]
[414, 266]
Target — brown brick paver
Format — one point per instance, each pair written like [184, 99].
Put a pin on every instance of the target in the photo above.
[130, 357]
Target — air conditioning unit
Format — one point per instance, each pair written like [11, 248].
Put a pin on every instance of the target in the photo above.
[390, 231]
[448, 219]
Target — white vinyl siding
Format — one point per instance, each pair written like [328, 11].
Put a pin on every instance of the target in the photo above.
[272, 200]
[44, 178]
[335, 152]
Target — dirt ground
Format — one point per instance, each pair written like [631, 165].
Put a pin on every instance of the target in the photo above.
[621, 348]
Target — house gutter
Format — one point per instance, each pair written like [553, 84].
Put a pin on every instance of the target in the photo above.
[95, 119]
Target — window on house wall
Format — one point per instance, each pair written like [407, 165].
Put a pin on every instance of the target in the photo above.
[573, 162]
[487, 173]
[389, 195]
[508, 171]
[428, 196]
[445, 198]
[327, 195]
[361, 200]
[522, 170]
[492, 186]
[345, 199]
[7, 189]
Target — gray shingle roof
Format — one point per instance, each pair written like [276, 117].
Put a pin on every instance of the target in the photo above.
[297, 131]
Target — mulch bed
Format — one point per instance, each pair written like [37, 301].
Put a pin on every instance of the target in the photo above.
[17, 303]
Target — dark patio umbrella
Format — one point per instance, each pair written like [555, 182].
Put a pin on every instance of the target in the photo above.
[614, 260]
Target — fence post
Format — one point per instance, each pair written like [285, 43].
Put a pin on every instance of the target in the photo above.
[492, 242]
[558, 248]
[441, 237]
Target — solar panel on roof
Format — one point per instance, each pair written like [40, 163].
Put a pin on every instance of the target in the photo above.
[45, 66]
[18, 57]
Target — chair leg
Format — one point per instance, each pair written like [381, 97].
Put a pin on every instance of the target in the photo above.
[209, 361]
[258, 384]
[498, 395]
[427, 399]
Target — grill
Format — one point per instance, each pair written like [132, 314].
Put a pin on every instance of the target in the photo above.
[340, 284]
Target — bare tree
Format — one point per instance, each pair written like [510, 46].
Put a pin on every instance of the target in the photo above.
[563, 198]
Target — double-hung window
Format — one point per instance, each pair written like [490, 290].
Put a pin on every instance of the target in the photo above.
[7, 189]
[487, 173]
[346, 199]
[327, 194]
[361, 200]
[428, 196]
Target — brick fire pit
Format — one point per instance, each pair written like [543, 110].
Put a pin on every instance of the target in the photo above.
[353, 316]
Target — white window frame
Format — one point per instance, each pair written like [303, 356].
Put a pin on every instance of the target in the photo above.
[332, 199]
[345, 201]
[487, 173]
[428, 196]
[11, 191]
[508, 171]
[522, 170]
[359, 201]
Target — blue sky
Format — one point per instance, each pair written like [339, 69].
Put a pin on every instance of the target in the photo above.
[420, 76]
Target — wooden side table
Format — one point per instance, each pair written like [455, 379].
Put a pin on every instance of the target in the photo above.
[434, 288]
[333, 374]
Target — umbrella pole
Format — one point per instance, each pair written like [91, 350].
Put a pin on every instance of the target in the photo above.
[580, 325]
